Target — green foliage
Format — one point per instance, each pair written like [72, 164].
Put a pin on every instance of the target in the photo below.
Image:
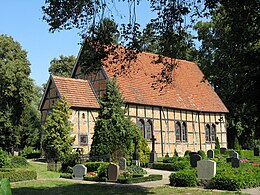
[57, 142]
[5, 188]
[152, 177]
[66, 175]
[102, 170]
[174, 166]
[113, 132]
[184, 178]
[236, 144]
[70, 160]
[62, 66]
[202, 154]
[136, 170]
[246, 154]
[19, 162]
[30, 153]
[18, 174]
[3, 158]
[170, 159]
[95, 178]
[93, 166]
[187, 153]
[217, 144]
[16, 90]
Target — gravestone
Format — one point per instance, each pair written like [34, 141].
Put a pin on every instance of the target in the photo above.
[194, 159]
[234, 154]
[113, 172]
[256, 151]
[79, 171]
[192, 153]
[206, 169]
[210, 153]
[228, 160]
[122, 163]
[235, 162]
[222, 150]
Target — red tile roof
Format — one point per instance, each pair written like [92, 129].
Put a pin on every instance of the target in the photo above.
[78, 92]
[188, 90]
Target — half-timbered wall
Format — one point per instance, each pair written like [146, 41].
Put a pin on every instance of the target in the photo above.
[179, 129]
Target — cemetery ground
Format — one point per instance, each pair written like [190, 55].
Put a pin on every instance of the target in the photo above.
[49, 183]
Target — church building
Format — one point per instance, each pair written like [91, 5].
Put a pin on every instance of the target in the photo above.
[185, 114]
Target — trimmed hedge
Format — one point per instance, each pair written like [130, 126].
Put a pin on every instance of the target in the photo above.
[95, 178]
[152, 177]
[66, 175]
[185, 178]
[175, 166]
[19, 162]
[18, 174]
[93, 166]
[5, 187]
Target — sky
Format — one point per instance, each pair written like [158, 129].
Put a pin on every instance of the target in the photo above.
[22, 20]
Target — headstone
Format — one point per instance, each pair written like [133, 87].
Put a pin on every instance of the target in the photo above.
[136, 163]
[206, 169]
[122, 163]
[210, 153]
[194, 159]
[228, 160]
[235, 162]
[256, 151]
[79, 171]
[234, 154]
[113, 172]
[223, 150]
[192, 153]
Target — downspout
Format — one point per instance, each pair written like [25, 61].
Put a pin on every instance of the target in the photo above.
[161, 130]
[78, 129]
[199, 129]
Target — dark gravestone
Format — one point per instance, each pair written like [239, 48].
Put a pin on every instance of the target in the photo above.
[222, 150]
[235, 162]
[194, 159]
[228, 160]
[210, 153]
[233, 154]
[256, 151]
[192, 153]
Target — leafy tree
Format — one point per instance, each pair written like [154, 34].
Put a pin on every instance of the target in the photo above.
[62, 66]
[16, 90]
[57, 142]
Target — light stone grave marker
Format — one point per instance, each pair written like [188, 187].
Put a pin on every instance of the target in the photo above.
[122, 163]
[206, 169]
[113, 172]
[79, 171]
[210, 153]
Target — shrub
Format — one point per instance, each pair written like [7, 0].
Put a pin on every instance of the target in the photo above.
[216, 152]
[175, 152]
[66, 175]
[3, 158]
[170, 159]
[102, 170]
[185, 178]
[152, 177]
[246, 154]
[175, 166]
[225, 182]
[217, 145]
[187, 153]
[136, 170]
[19, 161]
[18, 174]
[202, 154]
[236, 144]
[30, 153]
[5, 187]
[93, 166]
[95, 178]
[70, 160]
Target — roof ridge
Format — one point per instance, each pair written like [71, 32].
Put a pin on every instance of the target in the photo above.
[67, 78]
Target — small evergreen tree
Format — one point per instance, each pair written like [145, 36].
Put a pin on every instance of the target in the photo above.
[57, 142]
[236, 144]
[176, 153]
[217, 144]
[113, 132]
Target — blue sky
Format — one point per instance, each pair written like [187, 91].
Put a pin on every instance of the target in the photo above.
[22, 20]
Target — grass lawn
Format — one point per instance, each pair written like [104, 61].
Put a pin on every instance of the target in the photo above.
[48, 184]
[58, 187]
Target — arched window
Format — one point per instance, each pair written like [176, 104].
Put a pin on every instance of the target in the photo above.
[178, 131]
[207, 132]
[213, 133]
[140, 124]
[83, 115]
[148, 130]
[184, 132]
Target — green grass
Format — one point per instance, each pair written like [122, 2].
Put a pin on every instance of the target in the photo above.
[58, 187]
[41, 169]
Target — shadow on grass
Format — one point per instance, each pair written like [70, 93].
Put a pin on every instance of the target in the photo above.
[76, 188]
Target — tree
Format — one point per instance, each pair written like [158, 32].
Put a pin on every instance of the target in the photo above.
[57, 142]
[113, 132]
[16, 90]
[62, 66]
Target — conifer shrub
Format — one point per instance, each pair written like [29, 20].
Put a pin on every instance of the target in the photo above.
[202, 154]
[217, 144]
[184, 178]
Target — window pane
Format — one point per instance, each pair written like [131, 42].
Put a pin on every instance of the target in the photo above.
[207, 133]
[178, 131]
[148, 130]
